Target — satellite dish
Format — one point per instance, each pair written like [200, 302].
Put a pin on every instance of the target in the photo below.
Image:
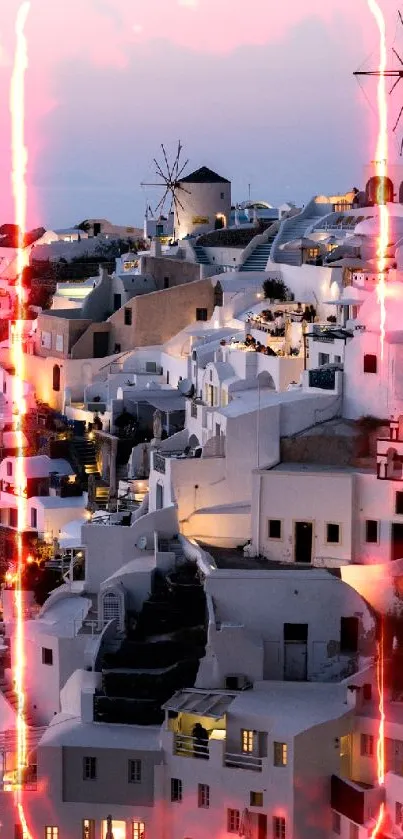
[142, 543]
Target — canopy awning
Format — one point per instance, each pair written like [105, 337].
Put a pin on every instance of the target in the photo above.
[202, 704]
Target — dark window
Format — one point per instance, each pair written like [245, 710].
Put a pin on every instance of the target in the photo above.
[4, 386]
[296, 632]
[233, 821]
[366, 745]
[176, 789]
[367, 692]
[117, 348]
[398, 506]
[354, 832]
[336, 823]
[128, 317]
[166, 282]
[97, 228]
[218, 294]
[274, 529]
[398, 813]
[370, 363]
[89, 768]
[56, 378]
[34, 517]
[134, 772]
[371, 530]
[47, 656]
[117, 302]
[10, 469]
[222, 196]
[348, 635]
[323, 358]
[256, 799]
[201, 314]
[278, 827]
[13, 517]
[332, 534]
[203, 795]
[167, 377]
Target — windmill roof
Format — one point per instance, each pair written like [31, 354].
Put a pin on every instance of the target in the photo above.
[204, 175]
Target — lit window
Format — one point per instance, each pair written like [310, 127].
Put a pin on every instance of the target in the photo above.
[51, 833]
[138, 829]
[89, 829]
[280, 754]
[203, 796]
[333, 534]
[367, 745]
[89, 768]
[176, 789]
[134, 772]
[336, 823]
[278, 827]
[247, 740]
[233, 821]
[256, 799]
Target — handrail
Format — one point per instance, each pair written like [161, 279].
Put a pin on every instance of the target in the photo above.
[243, 761]
[187, 746]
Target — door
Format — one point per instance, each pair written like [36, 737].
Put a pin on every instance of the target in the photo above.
[295, 652]
[100, 346]
[117, 302]
[303, 542]
[261, 832]
[397, 541]
[159, 501]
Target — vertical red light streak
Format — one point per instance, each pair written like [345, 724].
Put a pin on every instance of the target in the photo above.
[19, 166]
[382, 164]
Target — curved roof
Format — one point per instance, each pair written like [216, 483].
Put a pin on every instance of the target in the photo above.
[204, 175]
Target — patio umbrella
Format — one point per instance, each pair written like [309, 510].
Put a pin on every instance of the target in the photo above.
[299, 244]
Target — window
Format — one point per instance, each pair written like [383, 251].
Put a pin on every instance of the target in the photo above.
[336, 823]
[34, 517]
[138, 829]
[280, 754]
[88, 829]
[323, 358]
[13, 517]
[10, 469]
[167, 377]
[247, 740]
[51, 833]
[46, 340]
[89, 768]
[398, 812]
[278, 827]
[201, 314]
[134, 772]
[233, 821]
[176, 789]
[166, 282]
[398, 502]
[370, 363]
[222, 196]
[353, 831]
[59, 343]
[4, 386]
[371, 530]
[256, 799]
[367, 692]
[203, 795]
[56, 378]
[348, 635]
[274, 529]
[47, 656]
[367, 745]
[337, 359]
[128, 317]
[111, 606]
[333, 534]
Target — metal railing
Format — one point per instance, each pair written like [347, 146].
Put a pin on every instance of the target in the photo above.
[243, 761]
[187, 746]
[159, 463]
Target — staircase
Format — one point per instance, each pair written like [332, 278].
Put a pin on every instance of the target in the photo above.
[258, 259]
[297, 230]
[84, 455]
[201, 256]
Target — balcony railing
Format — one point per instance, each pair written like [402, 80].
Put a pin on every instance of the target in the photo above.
[186, 746]
[243, 761]
[28, 782]
[159, 463]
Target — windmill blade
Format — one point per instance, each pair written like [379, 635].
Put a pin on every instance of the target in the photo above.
[397, 55]
[395, 84]
[143, 184]
[398, 119]
[177, 211]
[162, 202]
[179, 202]
[400, 15]
[181, 170]
[159, 171]
[175, 164]
[183, 189]
[166, 161]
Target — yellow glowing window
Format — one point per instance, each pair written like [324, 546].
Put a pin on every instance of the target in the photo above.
[89, 829]
[280, 754]
[247, 740]
[118, 829]
[51, 833]
[138, 829]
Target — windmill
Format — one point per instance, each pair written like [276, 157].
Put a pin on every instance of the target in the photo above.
[168, 175]
[390, 73]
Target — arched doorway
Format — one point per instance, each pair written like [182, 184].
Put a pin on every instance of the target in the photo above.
[218, 294]
[379, 190]
[56, 378]
[112, 607]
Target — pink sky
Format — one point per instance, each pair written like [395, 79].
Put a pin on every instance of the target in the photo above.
[98, 41]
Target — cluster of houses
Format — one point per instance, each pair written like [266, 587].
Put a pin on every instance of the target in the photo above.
[215, 468]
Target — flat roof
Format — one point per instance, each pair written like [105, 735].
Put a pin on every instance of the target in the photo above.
[70, 731]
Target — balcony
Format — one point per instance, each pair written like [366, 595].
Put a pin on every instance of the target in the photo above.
[186, 746]
[354, 800]
[243, 761]
[159, 463]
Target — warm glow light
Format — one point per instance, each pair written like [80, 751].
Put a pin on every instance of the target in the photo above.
[381, 164]
[19, 166]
